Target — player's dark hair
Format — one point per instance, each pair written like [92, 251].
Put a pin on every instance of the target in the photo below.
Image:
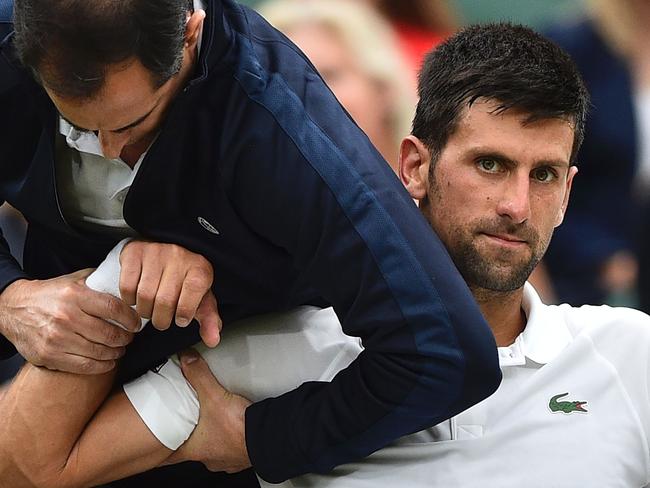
[509, 64]
[69, 44]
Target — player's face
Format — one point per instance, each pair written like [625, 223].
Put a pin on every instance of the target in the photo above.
[127, 112]
[497, 191]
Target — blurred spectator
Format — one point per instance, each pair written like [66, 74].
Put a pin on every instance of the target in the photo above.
[594, 255]
[356, 52]
[420, 25]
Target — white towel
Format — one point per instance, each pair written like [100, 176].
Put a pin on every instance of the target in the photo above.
[106, 278]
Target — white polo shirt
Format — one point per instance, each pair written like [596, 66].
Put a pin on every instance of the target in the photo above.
[596, 356]
[573, 408]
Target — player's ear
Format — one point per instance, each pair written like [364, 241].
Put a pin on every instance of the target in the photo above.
[414, 160]
[573, 170]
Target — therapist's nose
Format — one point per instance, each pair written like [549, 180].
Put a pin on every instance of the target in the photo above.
[112, 143]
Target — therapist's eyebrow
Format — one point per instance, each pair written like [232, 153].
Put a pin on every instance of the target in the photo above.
[117, 131]
[137, 122]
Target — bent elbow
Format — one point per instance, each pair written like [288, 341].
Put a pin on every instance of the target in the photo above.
[12, 475]
[15, 475]
[52, 480]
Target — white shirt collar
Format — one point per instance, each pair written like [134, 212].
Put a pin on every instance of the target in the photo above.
[544, 337]
[546, 333]
[82, 141]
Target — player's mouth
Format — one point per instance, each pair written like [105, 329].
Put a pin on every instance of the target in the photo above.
[505, 240]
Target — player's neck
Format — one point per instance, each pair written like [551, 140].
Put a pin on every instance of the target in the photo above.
[503, 312]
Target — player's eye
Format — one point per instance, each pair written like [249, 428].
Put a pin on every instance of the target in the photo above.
[544, 175]
[489, 165]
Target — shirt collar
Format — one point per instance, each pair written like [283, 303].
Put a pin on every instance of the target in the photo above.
[546, 333]
[82, 141]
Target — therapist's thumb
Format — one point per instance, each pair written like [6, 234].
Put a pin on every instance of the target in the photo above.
[209, 320]
[198, 373]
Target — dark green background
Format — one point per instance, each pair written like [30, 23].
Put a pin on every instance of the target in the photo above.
[537, 13]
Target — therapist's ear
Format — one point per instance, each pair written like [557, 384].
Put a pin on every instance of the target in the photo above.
[193, 28]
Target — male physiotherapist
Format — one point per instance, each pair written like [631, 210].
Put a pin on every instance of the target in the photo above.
[197, 124]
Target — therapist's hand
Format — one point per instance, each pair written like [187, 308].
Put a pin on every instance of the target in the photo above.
[62, 324]
[168, 283]
[219, 440]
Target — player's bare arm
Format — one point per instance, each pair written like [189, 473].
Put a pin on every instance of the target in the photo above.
[85, 446]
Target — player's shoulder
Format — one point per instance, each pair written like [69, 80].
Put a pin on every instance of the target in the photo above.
[590, 319]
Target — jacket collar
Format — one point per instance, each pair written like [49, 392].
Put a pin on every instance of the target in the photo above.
[216, 38]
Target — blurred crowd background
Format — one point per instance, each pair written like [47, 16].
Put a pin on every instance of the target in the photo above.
[369, 52]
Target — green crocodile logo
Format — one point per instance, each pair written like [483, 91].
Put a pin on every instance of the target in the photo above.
[565, 406]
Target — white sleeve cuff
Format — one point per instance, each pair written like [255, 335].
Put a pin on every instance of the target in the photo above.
[166, 403]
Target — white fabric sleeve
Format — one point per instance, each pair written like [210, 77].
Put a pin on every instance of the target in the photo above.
[163, 398]
[166, 403]
[258, 358]
[106, 278]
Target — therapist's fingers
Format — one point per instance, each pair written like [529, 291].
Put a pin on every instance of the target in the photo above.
[221, 417]
[130, 270]
[167, 296]
[150, 280]
[197, 372]
[196, 283]
[209, 320]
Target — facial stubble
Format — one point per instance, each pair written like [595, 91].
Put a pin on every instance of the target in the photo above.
[500, 271]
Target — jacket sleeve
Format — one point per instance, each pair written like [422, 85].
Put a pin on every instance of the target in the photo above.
[10, 271]
[308, 180]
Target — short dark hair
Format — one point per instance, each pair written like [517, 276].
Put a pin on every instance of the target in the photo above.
[69, 44]
[510, 64]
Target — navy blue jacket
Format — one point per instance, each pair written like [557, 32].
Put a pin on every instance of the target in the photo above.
[307, 212]
[603, 217]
